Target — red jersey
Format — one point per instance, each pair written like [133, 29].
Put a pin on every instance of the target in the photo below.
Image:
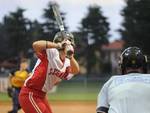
[48, 71]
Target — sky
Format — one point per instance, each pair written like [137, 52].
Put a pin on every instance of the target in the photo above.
[75, 10]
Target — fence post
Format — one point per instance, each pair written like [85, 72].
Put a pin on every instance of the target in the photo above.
[3, 84]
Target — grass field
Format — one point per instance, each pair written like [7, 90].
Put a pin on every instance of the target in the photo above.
[76, 91]
[70, 97]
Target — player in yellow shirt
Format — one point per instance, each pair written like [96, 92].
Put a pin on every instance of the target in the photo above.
[16, 80]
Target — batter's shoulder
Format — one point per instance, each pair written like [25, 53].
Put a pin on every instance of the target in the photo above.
[52, 52]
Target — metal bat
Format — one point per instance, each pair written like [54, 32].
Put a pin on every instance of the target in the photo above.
[61, 26]
[58, 17]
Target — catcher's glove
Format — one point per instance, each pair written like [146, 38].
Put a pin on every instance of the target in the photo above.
[9, 91]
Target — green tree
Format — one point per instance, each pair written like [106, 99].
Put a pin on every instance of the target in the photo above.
[4, 44]
[35, 31]
[50, 25]
[94, 30]
[136, 25]
[15, 32]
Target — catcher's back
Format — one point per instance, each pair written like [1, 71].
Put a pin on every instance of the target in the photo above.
[130, 94]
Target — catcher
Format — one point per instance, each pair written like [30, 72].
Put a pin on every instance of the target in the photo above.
[16, 80]
[129, 92]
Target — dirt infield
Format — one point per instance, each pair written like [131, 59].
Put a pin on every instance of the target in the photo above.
[60, 107]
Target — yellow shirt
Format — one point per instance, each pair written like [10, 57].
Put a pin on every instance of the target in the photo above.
[18, 79]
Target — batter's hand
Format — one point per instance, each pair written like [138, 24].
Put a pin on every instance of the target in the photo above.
[63, 44]
[67, 47]
[69, 51]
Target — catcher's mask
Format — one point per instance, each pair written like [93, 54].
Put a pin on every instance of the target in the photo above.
[60, 36]
[133, 58]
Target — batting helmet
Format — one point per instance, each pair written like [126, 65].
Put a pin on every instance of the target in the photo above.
[60, 36]
[132, 57]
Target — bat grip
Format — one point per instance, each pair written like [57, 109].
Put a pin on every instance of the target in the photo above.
[61, 27]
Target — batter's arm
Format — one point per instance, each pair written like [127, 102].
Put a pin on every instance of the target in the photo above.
[41, 45]
[74, 66]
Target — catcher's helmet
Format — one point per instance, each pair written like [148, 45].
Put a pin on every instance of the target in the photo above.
[60, 36]
[132, 57]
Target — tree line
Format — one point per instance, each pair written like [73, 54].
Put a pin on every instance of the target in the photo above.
[17, 32]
